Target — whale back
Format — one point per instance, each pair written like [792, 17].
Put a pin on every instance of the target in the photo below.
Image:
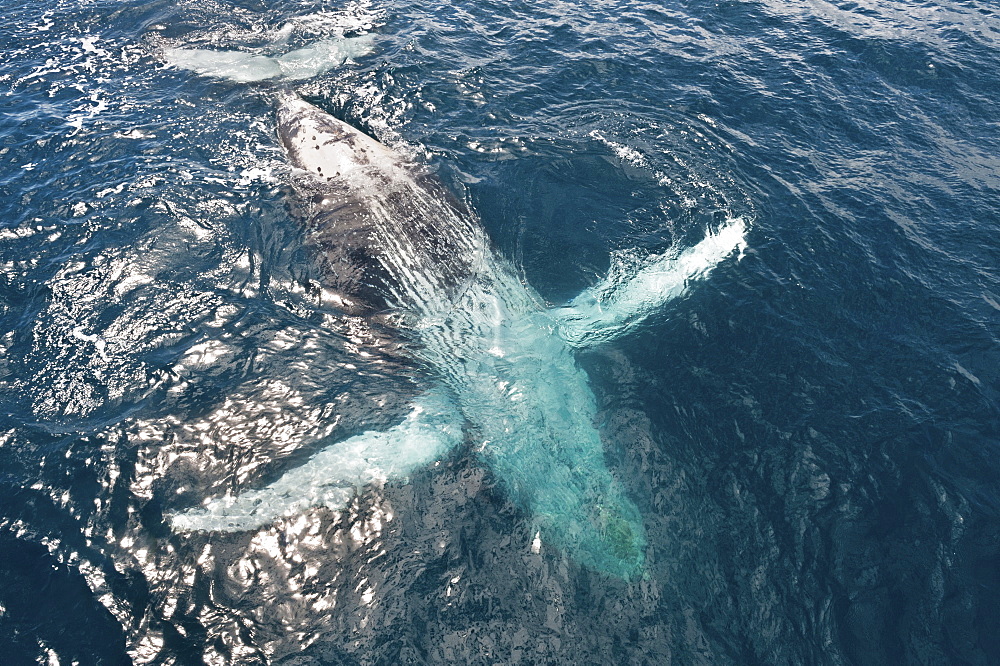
[385, 233]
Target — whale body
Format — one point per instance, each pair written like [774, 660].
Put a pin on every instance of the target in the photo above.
[389, 237]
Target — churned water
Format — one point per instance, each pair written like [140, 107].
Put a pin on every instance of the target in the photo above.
[808, 433]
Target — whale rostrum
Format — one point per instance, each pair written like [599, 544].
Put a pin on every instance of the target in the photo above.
[390, 237]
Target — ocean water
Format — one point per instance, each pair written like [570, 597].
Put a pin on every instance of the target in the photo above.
[810, 433]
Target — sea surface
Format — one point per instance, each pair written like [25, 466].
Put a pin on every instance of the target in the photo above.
[811, 433]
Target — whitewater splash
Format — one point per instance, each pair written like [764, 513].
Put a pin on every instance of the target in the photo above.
[389, 236]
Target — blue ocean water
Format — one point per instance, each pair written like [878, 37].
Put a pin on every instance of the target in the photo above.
[810, 433]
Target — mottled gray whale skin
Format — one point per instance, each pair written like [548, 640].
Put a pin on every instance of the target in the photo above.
[391, 238]
[386, 234]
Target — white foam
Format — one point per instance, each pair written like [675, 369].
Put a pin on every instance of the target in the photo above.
[99, 344]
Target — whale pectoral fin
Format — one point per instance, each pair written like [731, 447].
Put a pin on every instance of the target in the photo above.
[620, 302]
[243, 67]
[234, 65]
[331, 477]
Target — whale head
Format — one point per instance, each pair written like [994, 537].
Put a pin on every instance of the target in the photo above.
[326, 147]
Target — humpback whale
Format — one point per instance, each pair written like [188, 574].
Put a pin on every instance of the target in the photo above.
[390, 237]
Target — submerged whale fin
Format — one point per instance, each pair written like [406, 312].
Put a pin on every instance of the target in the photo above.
[243, 67]
[331, 477]
[616, 306]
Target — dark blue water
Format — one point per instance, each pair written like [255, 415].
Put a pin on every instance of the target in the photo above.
[812, 433]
